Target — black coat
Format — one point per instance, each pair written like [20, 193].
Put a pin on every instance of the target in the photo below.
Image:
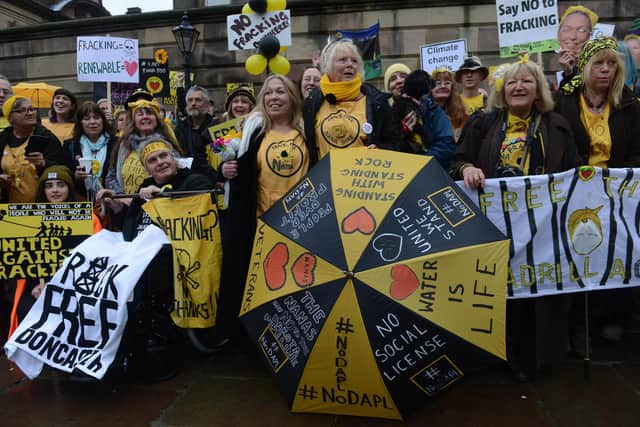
[624, 127]
[386, 131]
[194, 141]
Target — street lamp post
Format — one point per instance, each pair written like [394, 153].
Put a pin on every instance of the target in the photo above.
[186, 38]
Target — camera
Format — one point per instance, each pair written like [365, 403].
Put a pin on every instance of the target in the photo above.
[508, 172]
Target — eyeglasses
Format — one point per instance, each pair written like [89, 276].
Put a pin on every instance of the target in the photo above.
[24, 110]
[569, 29]
[6, 91]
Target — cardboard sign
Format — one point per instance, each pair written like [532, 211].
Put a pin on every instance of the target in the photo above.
[154, 77]
[449, 54]
[603, 30]
[527, 26]
[245, 31]
[107, 59]
[222, 129]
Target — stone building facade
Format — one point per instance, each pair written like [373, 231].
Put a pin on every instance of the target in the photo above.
[47, 51]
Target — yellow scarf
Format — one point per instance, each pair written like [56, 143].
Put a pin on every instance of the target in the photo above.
[597, 127]
[343, 91]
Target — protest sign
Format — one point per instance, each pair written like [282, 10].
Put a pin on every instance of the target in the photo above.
[154, 77]
[572, 231]
[223, 129]
[368, 42]
[77, 322]
[245, 31]
[174, 81]
[603, 30]
[449, 54]
[107, 59]
[35, 238]
[527, 26]
[119, 91]
[192, 225]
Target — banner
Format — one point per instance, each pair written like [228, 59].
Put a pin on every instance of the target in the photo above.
[119, 91]
[368, 42]
[245, 31]
[573, 231]
[107, 59]
[192, 225]
[449, 54]
[527, 26]
[223, 129]
[154, 77]
[77, 322]
[35, 238]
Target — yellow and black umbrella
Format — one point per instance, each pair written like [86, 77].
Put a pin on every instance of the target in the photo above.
[40, 94]
[374, 285]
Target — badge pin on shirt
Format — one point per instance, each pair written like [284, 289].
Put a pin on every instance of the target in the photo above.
[367, 128]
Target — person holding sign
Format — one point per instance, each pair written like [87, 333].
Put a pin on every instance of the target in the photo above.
[605, 118]
[470, 75]
[62, 115]
[26, 149]
[272, 156]
[344, 112]
[446, 94]
[576, 26]
[92, 144]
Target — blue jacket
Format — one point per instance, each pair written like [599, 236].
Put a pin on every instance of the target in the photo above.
[437, 124]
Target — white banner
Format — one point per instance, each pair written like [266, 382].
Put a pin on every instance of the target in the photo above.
[527, 25]
[77, 322]
[245, 31]
[449, 54]
[573, 231]
[107, 59]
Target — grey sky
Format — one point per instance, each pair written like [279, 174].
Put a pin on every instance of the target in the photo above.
[119, 7]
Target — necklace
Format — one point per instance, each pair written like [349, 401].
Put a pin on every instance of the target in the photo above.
[592, 106]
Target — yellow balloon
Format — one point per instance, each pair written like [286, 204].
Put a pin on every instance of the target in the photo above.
[279, 65]
[283, 49]
[246, 9]
[273, 5]
[256, 64]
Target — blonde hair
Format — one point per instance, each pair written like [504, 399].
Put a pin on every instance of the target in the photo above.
[295, 118]
[615, 90]
[330, 51]
[543, 101]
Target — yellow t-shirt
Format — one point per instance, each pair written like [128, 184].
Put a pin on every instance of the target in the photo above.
[513, 147]
[23, 172]
[62, 131]
[283, 159]
[597, 126]
[133, 173]
[473, 104]
[342, 125]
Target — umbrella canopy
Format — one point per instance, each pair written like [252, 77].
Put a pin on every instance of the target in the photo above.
[374, 285]
[40, 94]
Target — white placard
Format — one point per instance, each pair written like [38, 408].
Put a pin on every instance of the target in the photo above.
[107, 59]
[603, 30]
[449, 54]
[245, 31]
[530, 25]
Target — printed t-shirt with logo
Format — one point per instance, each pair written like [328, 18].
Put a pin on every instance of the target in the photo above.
[473, 104]
[283, 159]
[133, 173]
[341, 125]
[513, 147]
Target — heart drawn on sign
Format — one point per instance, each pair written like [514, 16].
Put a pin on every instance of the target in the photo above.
[359, 220]
[388, 245]
[131, 67]
[404, 282]
[154, 86]
[585, 173]
[274, 265]
[303, 270]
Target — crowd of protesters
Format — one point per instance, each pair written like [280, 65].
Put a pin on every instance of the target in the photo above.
[477, 126]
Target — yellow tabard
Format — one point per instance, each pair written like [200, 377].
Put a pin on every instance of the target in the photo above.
[283, 159]
[341, 125]
[473, 104]
[23, 172]
[597, 126]
[513, 147]
[62, 131]
[133, 173]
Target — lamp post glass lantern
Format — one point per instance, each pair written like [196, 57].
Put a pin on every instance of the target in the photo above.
[186, 38]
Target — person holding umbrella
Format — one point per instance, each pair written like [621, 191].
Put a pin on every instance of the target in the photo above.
[273, 155]
[62, 115]
[521, 135]
[26, 149]
[605, 118]
[344, 112]
[92, 139]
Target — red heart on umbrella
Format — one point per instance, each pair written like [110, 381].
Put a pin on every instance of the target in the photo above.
[303, 270]
[359, 220]
[154, 86]
[274, 266]
[404, 281]
[131, 67]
